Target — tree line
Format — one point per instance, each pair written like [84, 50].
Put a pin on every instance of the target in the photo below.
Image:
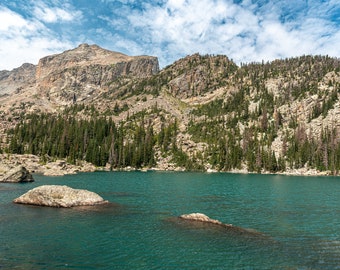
[97, 140]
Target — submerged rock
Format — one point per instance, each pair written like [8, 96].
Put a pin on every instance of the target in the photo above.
[60, 196]
[18, 174]
[200, 218]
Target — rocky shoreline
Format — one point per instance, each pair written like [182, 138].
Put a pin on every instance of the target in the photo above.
[60, 167]
[34, 164]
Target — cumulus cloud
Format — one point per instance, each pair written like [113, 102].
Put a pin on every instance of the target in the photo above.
[10, 19]
[245, 32]
[27, 39]
[55, 14]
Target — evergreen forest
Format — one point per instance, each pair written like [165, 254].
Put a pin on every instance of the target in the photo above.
[270, 117]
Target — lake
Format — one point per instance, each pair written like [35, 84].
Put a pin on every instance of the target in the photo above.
[299, 217]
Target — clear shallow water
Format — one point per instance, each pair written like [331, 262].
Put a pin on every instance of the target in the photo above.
[298, 215]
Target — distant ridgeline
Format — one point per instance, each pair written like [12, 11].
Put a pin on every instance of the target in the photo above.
[201, 112]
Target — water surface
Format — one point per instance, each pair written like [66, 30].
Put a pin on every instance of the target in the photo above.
[298, 215]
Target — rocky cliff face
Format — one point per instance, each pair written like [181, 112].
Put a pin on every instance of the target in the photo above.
[81, 74]
[16, 80]
[86, 71]
[260, 117]
[75, 74]
[196, 75]
[92, 55]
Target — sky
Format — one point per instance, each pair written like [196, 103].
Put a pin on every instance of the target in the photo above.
[244, 30]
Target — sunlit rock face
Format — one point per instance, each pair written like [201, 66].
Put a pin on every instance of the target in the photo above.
[17, 174]
[59, 196]
[86, 71]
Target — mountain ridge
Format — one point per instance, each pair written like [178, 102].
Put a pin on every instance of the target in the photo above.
[260, 117]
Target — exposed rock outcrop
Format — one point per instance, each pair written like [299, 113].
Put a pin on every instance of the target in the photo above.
[93, 55]
[81, 75]
[59, 196]
[195, 74]
[16, 79]
[86, 71]
[49, 167]
[203, 219]
[17, 174]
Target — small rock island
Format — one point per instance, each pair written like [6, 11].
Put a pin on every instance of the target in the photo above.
[59, 196]
[203, 219]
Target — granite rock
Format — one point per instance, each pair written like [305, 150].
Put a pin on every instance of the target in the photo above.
[59, 196]
[18, 174]
[200, 217]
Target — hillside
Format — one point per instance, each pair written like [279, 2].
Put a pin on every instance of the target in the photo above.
[200, 113]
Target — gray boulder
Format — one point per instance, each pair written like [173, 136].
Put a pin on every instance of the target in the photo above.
[18, 174]
[59, 196]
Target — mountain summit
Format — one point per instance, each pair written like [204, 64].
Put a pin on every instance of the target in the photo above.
[203, 112]
[81, 73]
[92, 55]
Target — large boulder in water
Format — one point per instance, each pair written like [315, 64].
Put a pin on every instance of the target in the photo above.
[17, 174]
[60, 196]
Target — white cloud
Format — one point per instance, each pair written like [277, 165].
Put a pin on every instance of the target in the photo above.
[170, 29]
[55, 14]
[25, 40]
[183, 27]
[20, 50]
[243, 32]
[9, 19]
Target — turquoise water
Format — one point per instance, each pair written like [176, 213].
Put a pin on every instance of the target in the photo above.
[298, 215]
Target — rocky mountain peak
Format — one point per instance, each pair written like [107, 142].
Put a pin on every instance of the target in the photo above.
[80, 74]
[84, 72]
[82, 56]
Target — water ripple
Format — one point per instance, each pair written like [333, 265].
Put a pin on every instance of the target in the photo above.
[298, 217]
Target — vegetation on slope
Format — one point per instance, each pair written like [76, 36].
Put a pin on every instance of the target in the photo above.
[270, 117]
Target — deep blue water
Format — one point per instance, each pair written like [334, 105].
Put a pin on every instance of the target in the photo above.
[300, 217]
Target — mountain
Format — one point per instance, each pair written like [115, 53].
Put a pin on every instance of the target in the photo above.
[202, 112]
[79, 74]
[16, 79]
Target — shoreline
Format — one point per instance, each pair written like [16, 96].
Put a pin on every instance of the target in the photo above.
[51, 167]
[60, 167]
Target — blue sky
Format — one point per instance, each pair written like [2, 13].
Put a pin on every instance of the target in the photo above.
[244, 30]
